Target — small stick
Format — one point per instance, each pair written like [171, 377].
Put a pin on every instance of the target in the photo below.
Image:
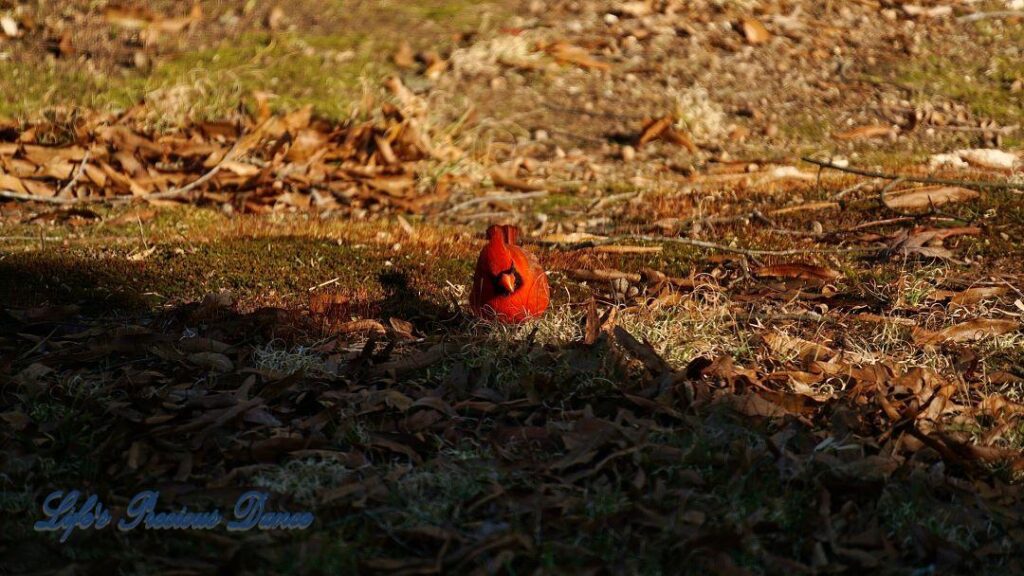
[921, 179]
[850, 189]
[886, 189]
[34, 198]
[77, 175]
[326, 283]
[183, 190]
[744, 251]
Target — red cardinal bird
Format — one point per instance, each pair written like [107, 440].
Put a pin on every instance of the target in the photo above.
[509, 285]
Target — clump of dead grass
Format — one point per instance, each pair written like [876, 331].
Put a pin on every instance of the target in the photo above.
[297, 360]
[489, 57]
[703, 118]
[302, 479]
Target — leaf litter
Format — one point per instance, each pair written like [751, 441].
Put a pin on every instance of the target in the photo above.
[731, 410]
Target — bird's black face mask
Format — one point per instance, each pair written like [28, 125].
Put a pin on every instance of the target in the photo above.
[507, 281]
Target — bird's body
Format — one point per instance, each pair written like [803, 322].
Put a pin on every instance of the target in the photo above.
[509, 284]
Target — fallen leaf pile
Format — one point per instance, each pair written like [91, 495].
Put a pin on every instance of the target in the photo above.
[253, 165]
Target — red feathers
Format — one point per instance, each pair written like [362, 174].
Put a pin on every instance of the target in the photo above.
[509, 284]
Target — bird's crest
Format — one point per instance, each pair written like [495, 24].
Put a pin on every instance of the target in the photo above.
[509, 234]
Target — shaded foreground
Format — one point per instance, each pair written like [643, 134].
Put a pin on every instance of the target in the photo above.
[727, 414]
[749, 367]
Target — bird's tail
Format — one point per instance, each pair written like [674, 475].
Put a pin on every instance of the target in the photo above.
[509, 234]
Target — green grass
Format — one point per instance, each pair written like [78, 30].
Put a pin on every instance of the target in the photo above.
[324, 70]
[980, 80]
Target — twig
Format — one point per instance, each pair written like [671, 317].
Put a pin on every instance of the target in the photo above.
[921, 179]
[183, 190]
[35, 198]
[989, 15]
[886, 222]
[326, 283]
[885, 190]
[849, 189]
[77, 175]
[791, 232]
[744, 251]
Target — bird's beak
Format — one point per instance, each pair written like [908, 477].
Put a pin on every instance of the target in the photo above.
[508, 282]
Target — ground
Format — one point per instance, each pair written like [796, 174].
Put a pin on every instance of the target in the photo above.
[236, 243]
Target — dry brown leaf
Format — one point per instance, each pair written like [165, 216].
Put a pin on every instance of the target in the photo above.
[928, 197]
[503, 180]
[865, 133]
[975, 295]
[240, 168]
[642, 351]
[754, 31]
[977, 329]
[135, 17]
[392, 185]
[569, 54]
[38, 188]
[11, 183]
[990, 158]
[402, 328]
[805, 350]
[928, 243]
[416, 361]
[653, 129]
[176, 25]
[365, 325]
[751, 404]
[797, 270]
[305, 144]
[213, 360]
